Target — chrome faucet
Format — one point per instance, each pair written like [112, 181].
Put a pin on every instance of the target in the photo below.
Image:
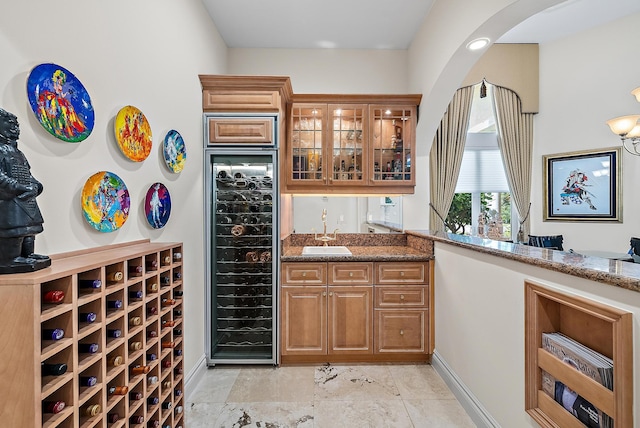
[325, 238]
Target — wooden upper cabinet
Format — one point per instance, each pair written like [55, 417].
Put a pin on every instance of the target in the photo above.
[350, 143]
[227, 93]
[240, 130]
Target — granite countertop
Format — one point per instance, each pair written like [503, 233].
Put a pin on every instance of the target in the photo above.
[612, 272]
[385, 253]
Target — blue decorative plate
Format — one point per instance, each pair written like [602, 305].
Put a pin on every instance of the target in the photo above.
[157, 205]
[60, 102]
[175, 151]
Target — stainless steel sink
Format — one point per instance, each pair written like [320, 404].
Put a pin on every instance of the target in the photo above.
[326, 251]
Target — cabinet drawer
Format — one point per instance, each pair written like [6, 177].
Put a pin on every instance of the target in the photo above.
[400, 297]
[238, 100]
[240, 130]
[402, 273]
[348, 273]
[400, 331]
[304, 273]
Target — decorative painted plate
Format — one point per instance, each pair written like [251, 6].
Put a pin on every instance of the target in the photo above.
[133, 133]
[157, 205]
[105, 201]
[60, 102]
[175, 151]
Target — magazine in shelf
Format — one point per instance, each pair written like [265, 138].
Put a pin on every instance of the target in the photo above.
[589, 362]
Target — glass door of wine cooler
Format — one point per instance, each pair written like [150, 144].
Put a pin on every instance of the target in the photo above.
[243, 255]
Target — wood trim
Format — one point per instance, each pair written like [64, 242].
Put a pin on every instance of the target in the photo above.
[281, 84]
[431, 331]
[374, 190]
[395, 99]
[359, 358]
[245, 93]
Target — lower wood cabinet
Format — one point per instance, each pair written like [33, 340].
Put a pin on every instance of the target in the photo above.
[334, 312]
[401, 330]
[350, 310]
[304, 320]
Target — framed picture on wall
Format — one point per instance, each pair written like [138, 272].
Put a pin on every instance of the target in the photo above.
[583, 186]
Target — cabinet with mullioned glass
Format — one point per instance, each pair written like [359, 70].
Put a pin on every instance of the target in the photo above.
[392, 144]
[351, 144]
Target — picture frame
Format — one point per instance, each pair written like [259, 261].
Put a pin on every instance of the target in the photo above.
[583, 186]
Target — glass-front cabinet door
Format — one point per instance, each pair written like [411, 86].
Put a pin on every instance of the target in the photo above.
[347, 143]
[392, 144]
[307, 145]
[351, 144]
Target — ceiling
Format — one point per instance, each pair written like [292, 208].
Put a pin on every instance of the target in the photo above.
[381, 24]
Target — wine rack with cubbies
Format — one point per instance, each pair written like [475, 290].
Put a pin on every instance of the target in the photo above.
[125, 332]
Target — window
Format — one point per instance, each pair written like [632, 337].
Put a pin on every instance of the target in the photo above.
[482, 203]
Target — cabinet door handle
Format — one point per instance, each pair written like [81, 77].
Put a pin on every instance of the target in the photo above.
[304, 274]
[350, 274]
[324, 294]
[401, 332]
[330, 293]
[402, 273]
[402, 297]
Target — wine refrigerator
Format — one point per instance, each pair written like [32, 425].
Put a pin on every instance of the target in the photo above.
[242, 250]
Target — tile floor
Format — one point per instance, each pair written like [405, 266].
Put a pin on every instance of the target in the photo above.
[328, 396]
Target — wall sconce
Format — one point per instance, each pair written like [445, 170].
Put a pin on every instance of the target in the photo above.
[628, 128]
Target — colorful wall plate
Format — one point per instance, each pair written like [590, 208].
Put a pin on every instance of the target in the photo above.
[175, 151]
[133, 133]
[60, 102]
[105, 201]
[157, 205]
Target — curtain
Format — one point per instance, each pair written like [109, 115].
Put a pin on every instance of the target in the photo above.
[515, 139]
[445, 156]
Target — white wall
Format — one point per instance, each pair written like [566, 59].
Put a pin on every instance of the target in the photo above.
[146, 53]
[586, 80]
[326, 71]
[479, 321]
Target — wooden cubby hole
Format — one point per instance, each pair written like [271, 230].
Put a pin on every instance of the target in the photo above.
[603, 328]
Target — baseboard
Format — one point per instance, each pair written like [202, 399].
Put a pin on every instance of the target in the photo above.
[478, 414]
[193, 377]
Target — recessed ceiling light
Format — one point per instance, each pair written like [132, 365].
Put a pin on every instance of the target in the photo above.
[477, 44]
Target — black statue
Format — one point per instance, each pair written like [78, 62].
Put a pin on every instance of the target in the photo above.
[20, 218]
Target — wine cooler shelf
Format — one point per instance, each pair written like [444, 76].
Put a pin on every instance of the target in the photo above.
[95, 340]
[242, 306]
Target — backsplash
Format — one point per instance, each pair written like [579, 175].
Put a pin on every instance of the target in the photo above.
[347, 239]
